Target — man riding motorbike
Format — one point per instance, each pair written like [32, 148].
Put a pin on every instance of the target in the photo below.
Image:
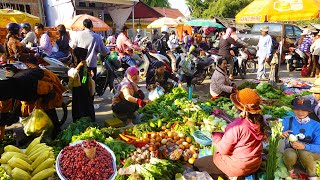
[30, 38]
[123, 44]
[13, 48]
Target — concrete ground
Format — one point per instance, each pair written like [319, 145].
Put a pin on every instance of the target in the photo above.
[103, 103]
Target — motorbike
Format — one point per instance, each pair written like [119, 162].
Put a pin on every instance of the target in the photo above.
[295, 59]
[251, 62]
[195, 67]
[8, 71]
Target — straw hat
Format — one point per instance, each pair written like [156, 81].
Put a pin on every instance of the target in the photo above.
[305, 32]
[316, 86]
[265, 28]
[247, 100]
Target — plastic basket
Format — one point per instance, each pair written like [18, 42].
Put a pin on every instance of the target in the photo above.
[112, 177]
[202, 137]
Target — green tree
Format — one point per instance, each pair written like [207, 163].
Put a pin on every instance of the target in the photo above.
[197, 7]
[157, 3]
[225, 8]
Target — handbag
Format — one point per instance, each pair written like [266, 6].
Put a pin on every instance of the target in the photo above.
[305, 71]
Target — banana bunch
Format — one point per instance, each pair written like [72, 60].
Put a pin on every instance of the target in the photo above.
[36, 163]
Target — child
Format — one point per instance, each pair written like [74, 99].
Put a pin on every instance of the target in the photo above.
[307, 149]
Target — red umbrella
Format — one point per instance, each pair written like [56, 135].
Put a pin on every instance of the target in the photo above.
[76, 23]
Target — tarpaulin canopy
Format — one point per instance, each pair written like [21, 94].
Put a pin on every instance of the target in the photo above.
[141, 10]
[279, 10]
[9, 15]
[76, 23]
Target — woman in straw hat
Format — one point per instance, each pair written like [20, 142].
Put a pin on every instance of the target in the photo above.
[264, 52]
[305, 149]
[238, 151]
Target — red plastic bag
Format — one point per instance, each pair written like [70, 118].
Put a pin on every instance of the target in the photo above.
[305, 71]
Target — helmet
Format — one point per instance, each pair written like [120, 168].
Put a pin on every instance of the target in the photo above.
[13, 28]
[26, 26]
[155, 30]
[165, 29]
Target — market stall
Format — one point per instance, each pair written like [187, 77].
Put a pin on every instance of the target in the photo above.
[172, 133]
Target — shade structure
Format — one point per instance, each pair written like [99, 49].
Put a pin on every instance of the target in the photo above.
[141, 10]
[165, 21]
[279, 10]
[204, 23]
[76, 23]
[9, 15]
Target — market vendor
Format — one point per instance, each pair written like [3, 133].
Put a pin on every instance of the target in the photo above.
[221, 85]
[315, 100]
[159, 76]
[306, 148]
[128, 97]
[238, 151]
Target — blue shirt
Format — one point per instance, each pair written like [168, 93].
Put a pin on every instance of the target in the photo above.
[265, 46]
[311, 130]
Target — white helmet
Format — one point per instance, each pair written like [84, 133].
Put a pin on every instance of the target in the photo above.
[165, 29]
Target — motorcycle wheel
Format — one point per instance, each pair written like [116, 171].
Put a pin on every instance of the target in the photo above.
[116, 83]
[251, 66]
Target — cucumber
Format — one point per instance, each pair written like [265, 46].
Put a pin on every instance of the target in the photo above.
[169, 125]
[159, 123]
[152, 124]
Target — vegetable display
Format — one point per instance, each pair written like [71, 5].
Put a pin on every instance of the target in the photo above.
[276, 112]
[214, 124]
[266, 91]
[77, 162]
[121, 149]
[89, 133]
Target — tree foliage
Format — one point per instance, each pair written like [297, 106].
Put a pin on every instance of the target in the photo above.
[197, 7]
[157, 3]
[221, 8]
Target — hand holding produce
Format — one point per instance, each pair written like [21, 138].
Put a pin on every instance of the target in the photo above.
[286, 134]
[292, 138]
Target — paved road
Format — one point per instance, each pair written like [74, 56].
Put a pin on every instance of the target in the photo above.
[103, 104]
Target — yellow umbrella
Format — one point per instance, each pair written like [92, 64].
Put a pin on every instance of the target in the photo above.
[165, 21]
[9, 15]
[279, 10]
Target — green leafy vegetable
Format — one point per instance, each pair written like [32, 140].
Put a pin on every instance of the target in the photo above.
[90, 133]
[121, 149]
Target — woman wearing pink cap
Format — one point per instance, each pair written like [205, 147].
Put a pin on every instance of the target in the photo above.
[128, 97]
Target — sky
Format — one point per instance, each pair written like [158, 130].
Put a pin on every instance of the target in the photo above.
[181, 5]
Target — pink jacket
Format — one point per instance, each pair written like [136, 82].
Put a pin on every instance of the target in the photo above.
[239, 150]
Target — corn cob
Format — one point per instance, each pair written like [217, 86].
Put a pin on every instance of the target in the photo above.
[43, 174]
[34, 142]
[44, 165]
[20, 174]
[7, 168]
[34, 157]
[35, 148]
[10, 148]
[19, 163]
[40, 159]
[5, 157]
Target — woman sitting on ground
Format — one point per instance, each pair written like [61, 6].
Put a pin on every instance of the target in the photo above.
[306, 150]
[238, 151]
[221, 85]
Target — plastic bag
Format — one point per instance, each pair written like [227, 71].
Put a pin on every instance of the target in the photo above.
[156, 93]
[196, 175]
[188, 67]
[37, 122]
[305, 71]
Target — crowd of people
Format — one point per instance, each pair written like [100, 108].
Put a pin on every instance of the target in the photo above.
[238, 151]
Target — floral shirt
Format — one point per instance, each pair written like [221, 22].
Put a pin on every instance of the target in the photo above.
[305, 45]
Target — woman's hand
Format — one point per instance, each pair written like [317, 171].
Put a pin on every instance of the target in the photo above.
[297, 145]
[286, 134]
[82, 63]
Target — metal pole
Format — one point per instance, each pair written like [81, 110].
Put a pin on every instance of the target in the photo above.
[281, 50]
[133, 32]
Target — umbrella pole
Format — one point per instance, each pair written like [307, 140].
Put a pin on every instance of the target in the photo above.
[281, 51]
[133, 32]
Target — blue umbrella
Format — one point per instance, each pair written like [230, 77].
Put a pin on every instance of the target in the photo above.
[204, 22]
